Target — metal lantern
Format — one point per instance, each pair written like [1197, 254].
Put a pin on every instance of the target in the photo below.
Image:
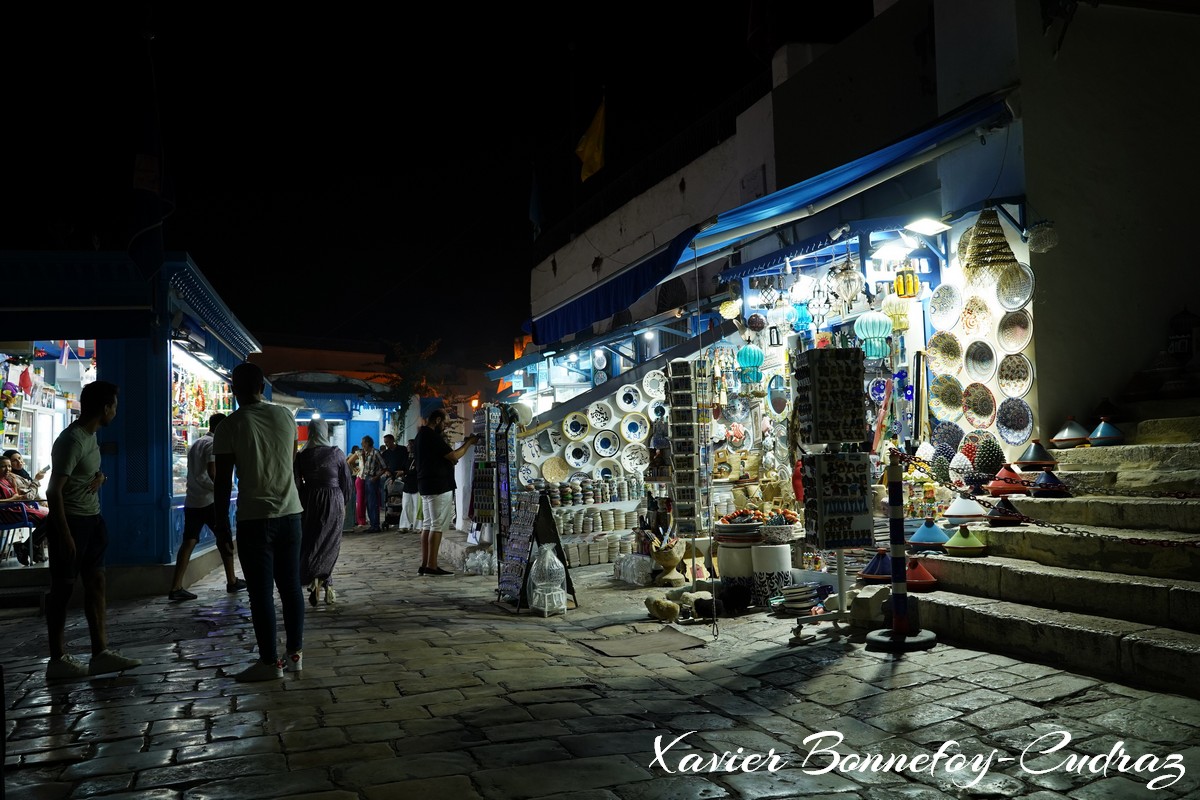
[873, 328]
[896, 307]
[908, 283]
[847, 282]
[750, 361]
[730, 309]
[803, 318]
[756, 322]
[782, 316]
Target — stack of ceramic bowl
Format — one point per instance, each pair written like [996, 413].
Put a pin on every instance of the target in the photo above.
[555, 494]
[589, 493]
[799, 599]
[631, 519]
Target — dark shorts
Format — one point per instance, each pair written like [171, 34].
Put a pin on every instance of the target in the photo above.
[91, 541]
[194, 520]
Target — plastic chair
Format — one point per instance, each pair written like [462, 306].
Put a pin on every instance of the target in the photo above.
[8, 532]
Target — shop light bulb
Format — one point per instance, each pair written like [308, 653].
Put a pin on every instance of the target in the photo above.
[316, 415]
[927, 226]
[648, 335]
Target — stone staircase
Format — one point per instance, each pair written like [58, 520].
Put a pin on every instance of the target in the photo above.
[1107, 585]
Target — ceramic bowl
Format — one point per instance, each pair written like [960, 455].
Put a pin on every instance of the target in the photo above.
[946, 397]
[979, 405]
[945, 306]
[606, 444]
[1014, 376]
[654, 383]
[1014, 331]
[979, 361]
[976, 317]
[635, 457]
[1014, 420]
[944, 353]
[600, 415]
[575, 426]
[635, 427]
[1014, 287]
[577, 454]
[608, 468]
[629, 398]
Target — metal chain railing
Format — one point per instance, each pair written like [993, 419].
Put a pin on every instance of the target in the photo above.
[927, 468]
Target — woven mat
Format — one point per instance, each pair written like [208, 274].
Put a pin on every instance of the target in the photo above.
[664, 640]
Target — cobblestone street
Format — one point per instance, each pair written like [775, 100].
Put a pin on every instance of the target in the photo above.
[423, 687]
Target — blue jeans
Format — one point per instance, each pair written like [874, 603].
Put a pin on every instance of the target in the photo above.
[372, 489]
[269, 550]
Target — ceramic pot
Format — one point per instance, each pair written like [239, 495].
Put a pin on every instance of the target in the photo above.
[1003, 485]
[1048, 485]
[1072, 435]
[1105, 434]
[1035, 456]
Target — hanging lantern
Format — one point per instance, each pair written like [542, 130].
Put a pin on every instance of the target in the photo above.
[756, 322]
[873, 328]
[803, 318]
[908, 283]
[730, 309]
[750, 361]
[782, 316]
[847, 283]
[818, 304]
[896, 307]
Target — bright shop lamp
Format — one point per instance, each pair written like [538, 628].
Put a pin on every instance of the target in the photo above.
[750, 361]
[873, 328]
[896, 308]
[927, 226]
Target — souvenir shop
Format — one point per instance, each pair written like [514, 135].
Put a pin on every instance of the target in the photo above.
[169, 343]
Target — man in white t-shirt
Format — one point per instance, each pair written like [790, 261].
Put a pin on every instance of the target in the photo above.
[259, 441]
[199, 509]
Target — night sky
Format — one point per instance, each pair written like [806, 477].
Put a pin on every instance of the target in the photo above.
[357, 177]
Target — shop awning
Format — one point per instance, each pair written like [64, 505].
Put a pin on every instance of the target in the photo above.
[829, 188]
[615, 293]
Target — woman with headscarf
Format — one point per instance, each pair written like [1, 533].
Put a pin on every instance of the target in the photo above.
[325, 484]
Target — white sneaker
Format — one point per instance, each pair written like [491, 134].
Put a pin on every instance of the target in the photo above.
[259, 671]
[294, 661]
[66, 667]
[330, 595]
[111, 661]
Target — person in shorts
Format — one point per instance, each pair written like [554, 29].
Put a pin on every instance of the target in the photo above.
[78, 537]
[435, 481]
[199, 509]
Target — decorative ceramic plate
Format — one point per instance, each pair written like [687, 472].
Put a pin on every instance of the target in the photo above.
[528, 474]
[656, 410]
[945, 398]
[979, 361]
[608, 468]
[1015, 375]
[606, 444]
[599, 359]
[947, 433]
[1014, 331]
[976, 317]
[1014, 287]
[979, 405]
[599, 377]
[580, 477]
[975, 437]
[945, 306]
[1014, 421]
[635, 427]
[635, 457]
[629, 397]
[944, 353]
[576, 426]
[555, 469]
[577, 454]
[600, 415]
[962, 249]
[737, 409]
[655, 384]
[531, 450]
[877, 390]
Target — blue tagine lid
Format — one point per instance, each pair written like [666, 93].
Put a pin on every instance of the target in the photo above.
[1004, 513]
[878, 569]
[1105, 434]
[1048, 485]
[1036, 456]
[928, 537]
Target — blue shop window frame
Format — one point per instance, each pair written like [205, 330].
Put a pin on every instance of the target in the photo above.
[207, 539]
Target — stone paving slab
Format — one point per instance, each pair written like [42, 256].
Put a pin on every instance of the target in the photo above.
[423, 688]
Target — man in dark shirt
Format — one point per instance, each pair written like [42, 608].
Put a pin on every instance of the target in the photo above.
[435, 461]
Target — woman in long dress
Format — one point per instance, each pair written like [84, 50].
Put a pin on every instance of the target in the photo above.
[325, 484]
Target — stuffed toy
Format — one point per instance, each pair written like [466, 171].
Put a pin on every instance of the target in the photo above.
[661, 609]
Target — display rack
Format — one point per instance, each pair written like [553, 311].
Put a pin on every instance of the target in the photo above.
[484, 489]
[13, 427]
[531, 522]
[690, 426]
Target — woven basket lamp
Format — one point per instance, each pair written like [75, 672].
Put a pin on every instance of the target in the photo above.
[989, 253]
[896, 307]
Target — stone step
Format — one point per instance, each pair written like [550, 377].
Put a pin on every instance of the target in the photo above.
[1136, 653]
[1134, 480]
[1165, 554]
[1164, 514]
[1129, 457]
[1154, 601]
[1160, 408]
[1172, 429]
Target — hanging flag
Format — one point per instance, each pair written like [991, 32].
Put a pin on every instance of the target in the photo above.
[591, 146]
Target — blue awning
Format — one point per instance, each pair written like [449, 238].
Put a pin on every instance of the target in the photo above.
[760, 213]
[615, 293]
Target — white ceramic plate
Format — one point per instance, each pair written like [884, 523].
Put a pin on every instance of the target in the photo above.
[655, 384]
[606, 444]
[1014, 287]
[531, 450]
[599, 359]
[945, 306]
[528, 474]
[635, 427]
[577, 454]
[629, 398]
[600, 415]
[608, 468]
[599, 377]
[635, 457]
[576, 426]
[656, 410]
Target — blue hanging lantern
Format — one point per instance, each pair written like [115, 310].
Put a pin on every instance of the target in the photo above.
[873, 328]
[803, 318]
[750, 359]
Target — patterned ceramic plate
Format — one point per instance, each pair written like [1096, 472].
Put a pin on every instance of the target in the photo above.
[945, 306]
[600, 415]
[1014, 331]
[555, 469]
[1014, 287]
[606, 444]
[1014, 421]
[599, 359]
[979, 405]
[531, 450]
[1015, 375]
[877, 390]
[737, 409]
[599, 377]
[629, 397]
[576, 426]
[947, 433]
[656, 410]
[979, 361]
[655, 384]
[976, 317]
[635, 457]
[944, 353]
[945, 398]
[577, 454]
[635, 427]
[528, 474]
[608, 468]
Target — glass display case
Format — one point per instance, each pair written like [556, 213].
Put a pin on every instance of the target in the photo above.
[197, 392]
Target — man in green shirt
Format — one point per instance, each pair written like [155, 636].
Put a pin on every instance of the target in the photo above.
[78, 536]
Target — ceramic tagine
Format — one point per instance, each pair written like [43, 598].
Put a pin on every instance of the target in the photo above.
[879, 569]
[1003, 514]
[1048, 485]
[1072, 435]
[917, 578]
[1035, 456]
[928, 538]
[1105, 434]
[963, 510]
[965, 543]
[1007, 481]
